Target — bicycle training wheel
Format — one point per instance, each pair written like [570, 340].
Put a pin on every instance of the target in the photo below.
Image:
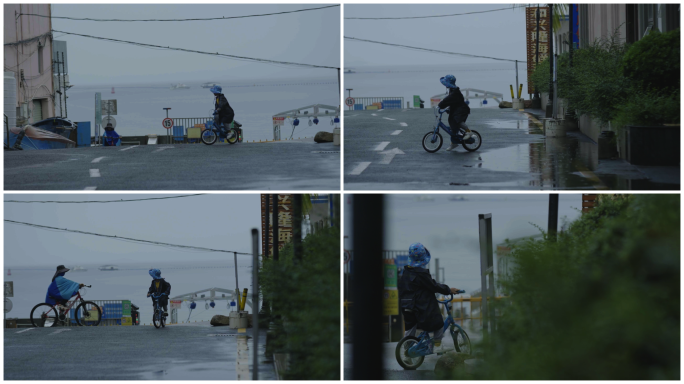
[156, 318]
[401, 352]
[209, 137]
[235, 137]
[88, 314]
[44, 315]
[476, 144]
[432, 143]
[462, 342]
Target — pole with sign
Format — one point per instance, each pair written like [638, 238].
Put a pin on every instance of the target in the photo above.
[98, 116]
[168, 124]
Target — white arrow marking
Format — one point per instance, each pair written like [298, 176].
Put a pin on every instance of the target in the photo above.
[94, 173]
[396, 132]
[97, 160]
[131, 147]
[381, 146]
[25, 330]
[60, 331]
[388, 118]
[161, 149]
[389, 155]
[373, 114]
[360, 168]
[403, 124]
[90, 188]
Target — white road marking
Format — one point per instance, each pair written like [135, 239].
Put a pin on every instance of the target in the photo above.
[161, 149]
[60, 331]
[97, 160]
[90, 188]
[403, 124]
[387, 118]
[396, 132]
[389, 155]
[131, 147]
[373, 114]
[94, 173]
[25, 330]
[360, 168]
[381, 146]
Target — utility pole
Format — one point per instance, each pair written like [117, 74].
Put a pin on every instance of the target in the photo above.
[537, 99]
[571, 22]
[553, 216]
[275, 228]
[59, 84]
[66, 113]
[549, 105]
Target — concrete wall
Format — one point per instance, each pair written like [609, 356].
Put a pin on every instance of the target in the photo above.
[36, 85]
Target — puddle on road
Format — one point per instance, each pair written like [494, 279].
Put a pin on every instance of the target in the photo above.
[525, 125]
[180, 370]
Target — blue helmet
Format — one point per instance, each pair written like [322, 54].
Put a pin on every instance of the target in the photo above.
[155, 273]
[216, 89]
[419, 256]
[448, 81]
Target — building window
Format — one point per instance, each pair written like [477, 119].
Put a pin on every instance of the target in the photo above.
[40, 58]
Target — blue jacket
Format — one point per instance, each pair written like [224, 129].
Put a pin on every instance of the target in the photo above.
[61, 289]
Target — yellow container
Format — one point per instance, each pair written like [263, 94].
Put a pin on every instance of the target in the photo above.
[368, 107]
[126, 321]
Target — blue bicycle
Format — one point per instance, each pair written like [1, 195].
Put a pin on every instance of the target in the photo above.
[432, 141]
[411, 350]
[212, 132]
[158, 318]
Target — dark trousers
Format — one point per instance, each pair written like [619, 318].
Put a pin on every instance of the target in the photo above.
[163, 302]
[456, 122]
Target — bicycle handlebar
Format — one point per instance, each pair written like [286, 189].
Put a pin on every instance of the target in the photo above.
[451, 297]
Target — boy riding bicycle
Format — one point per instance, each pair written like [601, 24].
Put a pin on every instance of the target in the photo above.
[417, 298]
[159, 285]
[458, 109]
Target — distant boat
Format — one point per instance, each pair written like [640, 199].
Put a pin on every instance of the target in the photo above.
[209, 85]
[349, 70]
[108, 268]
[457, 198]
[112, 89]
[78, 268]
[9, 272]
[179, 86]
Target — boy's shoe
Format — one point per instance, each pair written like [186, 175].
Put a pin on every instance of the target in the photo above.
[230, 134]
[440, 349]
[452, 146]
[467, 136]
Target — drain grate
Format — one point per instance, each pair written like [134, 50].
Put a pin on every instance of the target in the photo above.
[325, 151]
[220, 334]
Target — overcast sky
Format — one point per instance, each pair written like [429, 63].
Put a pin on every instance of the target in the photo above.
[311, 37]
[211, 221]
[498, 34]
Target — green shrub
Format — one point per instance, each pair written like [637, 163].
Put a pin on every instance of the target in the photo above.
[652, 63]
[600, 303]
[649, 108]
[306, 295]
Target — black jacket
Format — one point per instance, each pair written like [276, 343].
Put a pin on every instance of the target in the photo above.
[160, 286]
[417, 299]
[221, 104]
[458, 109]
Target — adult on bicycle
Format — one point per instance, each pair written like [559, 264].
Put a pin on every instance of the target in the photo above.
[417, 298]
[225, 113]
[159, 285]
[61, 289]
[458, 109]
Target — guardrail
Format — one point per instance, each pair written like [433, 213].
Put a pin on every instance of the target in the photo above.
[361, 103]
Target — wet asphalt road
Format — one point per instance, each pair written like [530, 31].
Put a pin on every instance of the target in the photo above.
[287, 165]
[177, 352]
[383, 151]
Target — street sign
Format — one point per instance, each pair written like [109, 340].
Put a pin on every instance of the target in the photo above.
[349, 101]
[175, 304]
[390, 276]
[108, 107]
[108, 120]
[9, 289]
[167, 123]
[8, 305]
[390, 302]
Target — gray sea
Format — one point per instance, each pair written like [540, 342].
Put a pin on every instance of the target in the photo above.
[255, 101]
[131, 282]
[409, 80]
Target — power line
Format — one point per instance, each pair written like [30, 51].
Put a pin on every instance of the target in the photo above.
[158, 243]
[196, 19]
[426, 17]
[431, 50]
[100, 201]
[243, 58]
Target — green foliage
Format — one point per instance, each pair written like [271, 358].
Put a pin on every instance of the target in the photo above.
[306, 295]
[601, 303]
[649, 108]
[653, 62]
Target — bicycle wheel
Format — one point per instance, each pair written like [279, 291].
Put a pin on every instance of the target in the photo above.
[209, 137]
[88, 314]
[462, 342]
[44, 315]
[163, 320]
[235, 137]
[156, 318]
[403, 358]
[475, 145]
[432, 143]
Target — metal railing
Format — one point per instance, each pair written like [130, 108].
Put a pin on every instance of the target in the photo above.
[189, 122]
[381, 102]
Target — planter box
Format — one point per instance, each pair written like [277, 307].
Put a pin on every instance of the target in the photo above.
[652, 145]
